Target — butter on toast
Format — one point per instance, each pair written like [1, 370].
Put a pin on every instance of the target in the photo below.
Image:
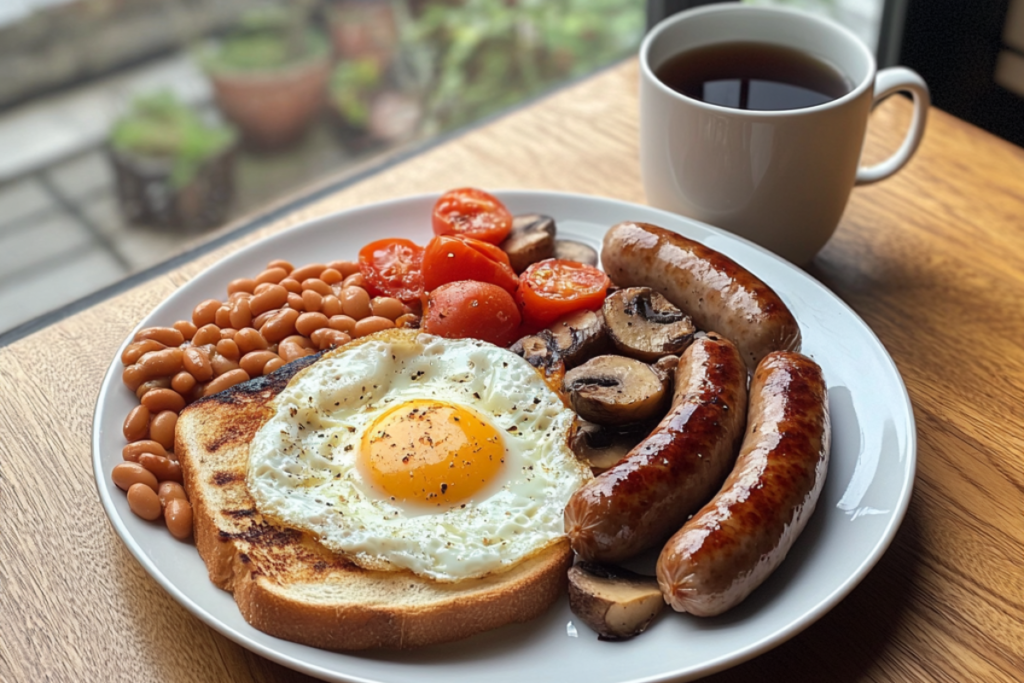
[288, 585]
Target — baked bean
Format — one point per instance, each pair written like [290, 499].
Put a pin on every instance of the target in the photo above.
[164, 469]
[387, 307]
[371, 324]
[272, 275]
[144, 502]
[221, 364]
[261, 320]
[134, 351]
[408, 320]
[187, 328]
[223, 316]
[127, 474]
[146, 387]
[170, 490]
[300, 339]
[319, 286]
[163, 363]
[325, 338]
[307, 323]
[290, 350]
[241, 314]
[354, 280]
[229, 349]
[280, 326]
[236, 297]
[249, 339]
[312, 300]
[183, 382]
[292, 285]
[168, 336]
[269, 299]
[332, 306]
[272, 365]
[178, 517]
[205, 312]
[254, 361]
[346, 268]
[228, 333]
[226, 381]
[242, 284]
[133, 377]
[295, 302]
[132, 451]
[331, 276]
[161, 428]
[207, 334]
[262, 287]
[160, 400]
[355, 302]
[342, 323]
[197, 362]
[307, 271]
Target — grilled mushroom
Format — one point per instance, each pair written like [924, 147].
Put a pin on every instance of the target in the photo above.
[615, 602]
[603, 447]
[644, 325]
[615, 390]
[532, 239]
[577, 336]
[571, 250]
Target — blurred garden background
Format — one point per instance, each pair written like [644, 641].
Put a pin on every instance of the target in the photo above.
[133, 129]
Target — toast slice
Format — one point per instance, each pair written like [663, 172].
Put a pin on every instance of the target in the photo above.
[290, 586]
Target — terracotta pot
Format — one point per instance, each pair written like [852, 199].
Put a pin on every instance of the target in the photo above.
[147, 196]
[273, 108]
[363, 29]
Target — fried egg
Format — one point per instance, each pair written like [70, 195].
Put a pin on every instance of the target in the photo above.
[445, 457]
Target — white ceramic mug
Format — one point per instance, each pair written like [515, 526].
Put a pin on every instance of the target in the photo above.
[778, 178]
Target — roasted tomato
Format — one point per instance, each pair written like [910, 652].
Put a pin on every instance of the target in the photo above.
[474, 213]
[393, 267]
[469, 309]
[450, 258]
[552, 288]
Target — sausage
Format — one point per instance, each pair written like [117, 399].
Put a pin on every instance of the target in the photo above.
[738, 539]
[715, 291]
[646, 496]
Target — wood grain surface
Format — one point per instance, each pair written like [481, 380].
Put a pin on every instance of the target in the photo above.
[932, 259]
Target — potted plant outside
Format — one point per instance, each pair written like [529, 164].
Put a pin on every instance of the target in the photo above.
[270, 74]
[363, 29]
[367, 108]
[172, 169]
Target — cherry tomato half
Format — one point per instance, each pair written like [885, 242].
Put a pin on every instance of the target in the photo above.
[468, 309]
[474, 213]
[393, 267]
[552, 288]
[450, 258]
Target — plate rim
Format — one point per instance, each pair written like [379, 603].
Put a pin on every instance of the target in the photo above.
[746, 653]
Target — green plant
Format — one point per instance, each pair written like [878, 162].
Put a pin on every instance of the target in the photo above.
[268, 38]
[352, 84]
[159, 125]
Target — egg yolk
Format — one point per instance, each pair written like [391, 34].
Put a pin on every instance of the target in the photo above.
[431, 452]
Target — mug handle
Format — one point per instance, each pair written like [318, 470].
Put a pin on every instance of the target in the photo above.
[888, 81]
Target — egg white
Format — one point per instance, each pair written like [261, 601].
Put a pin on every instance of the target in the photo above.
[303, 468]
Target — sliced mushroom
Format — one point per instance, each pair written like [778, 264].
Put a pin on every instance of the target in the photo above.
[532, 239]
[645, 325]
[615, 390]
[603, 447]
[615, 602]
[570, 250]
[572, 339]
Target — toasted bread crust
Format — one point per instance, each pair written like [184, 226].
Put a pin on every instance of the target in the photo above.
[288, 585]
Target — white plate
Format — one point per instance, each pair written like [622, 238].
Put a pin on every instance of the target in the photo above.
[866, 494]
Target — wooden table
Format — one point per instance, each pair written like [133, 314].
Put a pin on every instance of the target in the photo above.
[932, 259]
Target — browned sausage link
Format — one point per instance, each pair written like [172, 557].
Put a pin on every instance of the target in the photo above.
[647, 496]
[728, 548]
[718, 293]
